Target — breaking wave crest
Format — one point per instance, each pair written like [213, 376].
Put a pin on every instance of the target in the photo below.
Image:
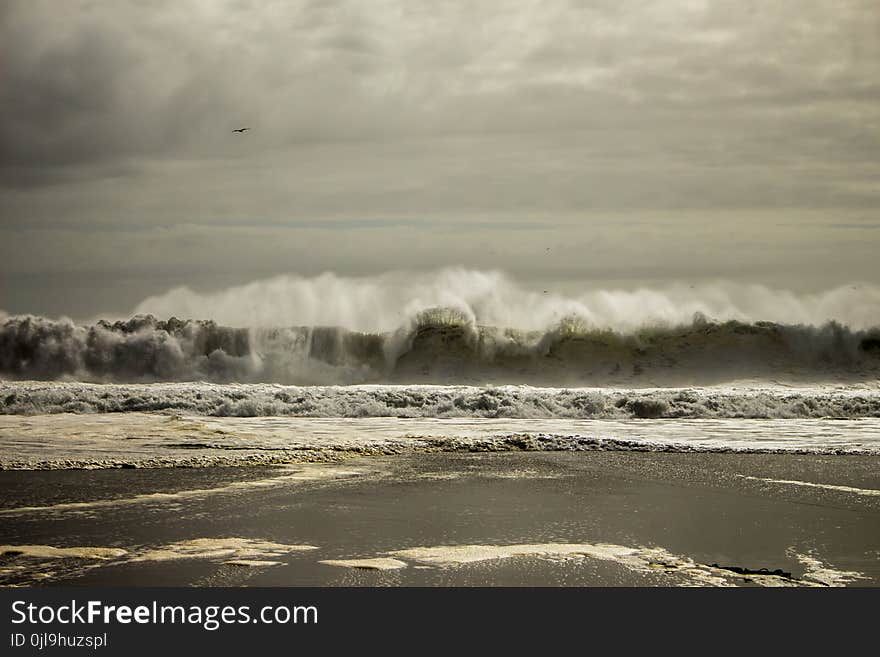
[462, 327]
[427, 401]
[438, 345]
[380, 304]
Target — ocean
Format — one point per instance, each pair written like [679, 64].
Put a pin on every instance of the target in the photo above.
[185, 390]
[733, 452]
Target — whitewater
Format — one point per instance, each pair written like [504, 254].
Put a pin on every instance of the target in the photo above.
[300, 368]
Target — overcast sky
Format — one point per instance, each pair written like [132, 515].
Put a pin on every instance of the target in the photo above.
[641, 142]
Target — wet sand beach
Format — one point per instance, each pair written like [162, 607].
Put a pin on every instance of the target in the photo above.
[453, 519]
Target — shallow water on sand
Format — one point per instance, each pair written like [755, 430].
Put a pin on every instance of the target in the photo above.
[112, 440]
[603, 518]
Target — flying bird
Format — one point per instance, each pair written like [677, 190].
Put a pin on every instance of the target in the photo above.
[240, 129]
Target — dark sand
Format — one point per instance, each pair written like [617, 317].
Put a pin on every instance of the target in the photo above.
[702, 508]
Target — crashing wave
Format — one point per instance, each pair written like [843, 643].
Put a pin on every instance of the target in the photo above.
[428, 401]
[437, 345]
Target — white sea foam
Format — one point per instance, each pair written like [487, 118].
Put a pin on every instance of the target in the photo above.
[871, 492]
[226, 548]
[306, 472]
[260, 553]
[644, 560]
[57, 561]
[374, 563]
[747, 399]
[151, 440]
[51, 552]
[819, 572]
[252, 563]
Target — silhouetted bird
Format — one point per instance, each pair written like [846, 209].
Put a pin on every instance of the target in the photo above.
[241, 129]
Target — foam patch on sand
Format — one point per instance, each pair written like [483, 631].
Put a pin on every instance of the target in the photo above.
[50, 552]
[230, 549]
[823, 574]
[449, 555]
[251, 563]
[641, 559]
[377, 563]
[518, 475]
[872, 492]
[647, 560]
[290, 474]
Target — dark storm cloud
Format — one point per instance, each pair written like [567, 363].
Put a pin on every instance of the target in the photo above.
[58, 105]
[465, 119]
[87, 81]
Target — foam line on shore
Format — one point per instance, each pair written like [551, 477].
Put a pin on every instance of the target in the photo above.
[374, 563]
[872, 492]
[234, 549]
[819, 572]
[303, 473]
[50, 552]
[644, 560]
